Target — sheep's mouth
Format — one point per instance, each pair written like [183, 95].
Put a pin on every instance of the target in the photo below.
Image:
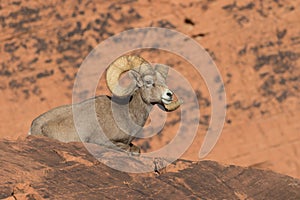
[166, 101]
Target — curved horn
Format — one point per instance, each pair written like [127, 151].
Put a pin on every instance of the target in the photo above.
[174, 104]
[119, 66]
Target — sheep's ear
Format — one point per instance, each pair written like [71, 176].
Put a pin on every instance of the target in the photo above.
[135, 76]
[162, 69]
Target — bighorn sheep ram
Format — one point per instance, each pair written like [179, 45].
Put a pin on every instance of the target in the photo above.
[148, 87]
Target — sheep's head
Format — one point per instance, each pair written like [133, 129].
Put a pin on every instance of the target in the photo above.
[150, 81]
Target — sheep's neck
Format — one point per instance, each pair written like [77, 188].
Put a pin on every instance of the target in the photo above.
[138, 109]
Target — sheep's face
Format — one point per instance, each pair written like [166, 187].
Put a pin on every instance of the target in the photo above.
[152, 85]
[154, 90]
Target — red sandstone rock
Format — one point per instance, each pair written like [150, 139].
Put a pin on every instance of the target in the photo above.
[41, 168]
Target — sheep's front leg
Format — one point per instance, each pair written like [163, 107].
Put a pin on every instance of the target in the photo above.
[130, 148]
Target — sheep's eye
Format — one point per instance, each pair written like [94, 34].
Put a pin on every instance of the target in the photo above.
[149, 83]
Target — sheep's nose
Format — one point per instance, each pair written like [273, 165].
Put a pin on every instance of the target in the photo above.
[169, 94]
[167, 97]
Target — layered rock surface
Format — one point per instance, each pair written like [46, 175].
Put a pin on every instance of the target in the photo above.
[41, 168]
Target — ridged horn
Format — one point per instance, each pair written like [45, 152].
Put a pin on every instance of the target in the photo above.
[119, 66]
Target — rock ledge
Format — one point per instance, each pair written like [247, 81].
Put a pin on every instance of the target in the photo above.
[41, 168]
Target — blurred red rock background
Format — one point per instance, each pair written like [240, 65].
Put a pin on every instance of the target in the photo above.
[255, 44]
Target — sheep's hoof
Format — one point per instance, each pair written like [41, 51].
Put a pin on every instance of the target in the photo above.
[128, 148]
[134, 150]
